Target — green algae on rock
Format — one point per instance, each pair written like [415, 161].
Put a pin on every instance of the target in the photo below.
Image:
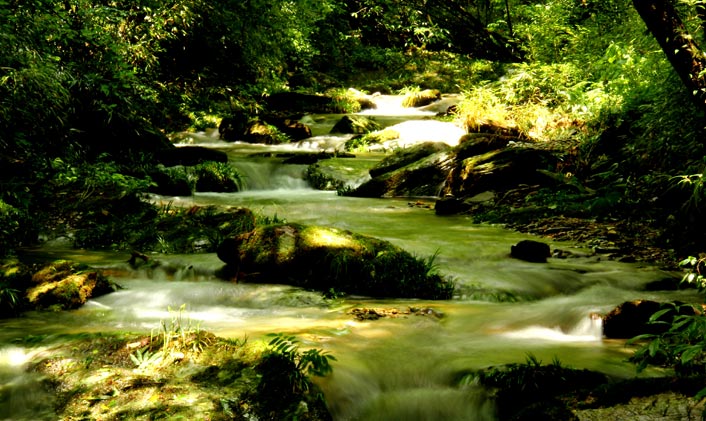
[332, 260]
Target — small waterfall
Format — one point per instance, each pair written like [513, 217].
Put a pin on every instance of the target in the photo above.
[271, 174]
[23, 396]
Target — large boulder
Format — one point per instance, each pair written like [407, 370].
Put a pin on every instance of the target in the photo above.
[420, 178]
[258, 131]
[407, 156]
[296, 130]
[233, 127]
[330, 259]
[500, 170]
[473, 144]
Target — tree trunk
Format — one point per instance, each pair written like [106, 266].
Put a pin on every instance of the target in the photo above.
[681, 49]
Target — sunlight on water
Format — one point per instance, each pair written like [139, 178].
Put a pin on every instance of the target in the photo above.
[22, 394]
[392, 105]
[416, 131]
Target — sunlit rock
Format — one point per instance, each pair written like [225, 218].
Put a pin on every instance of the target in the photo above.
[407, 156]
[356, 124]
[499, 170]
[425, 177]
[66, 285]
[331, 260]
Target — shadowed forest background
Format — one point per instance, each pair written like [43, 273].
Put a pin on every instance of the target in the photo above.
[90, 90]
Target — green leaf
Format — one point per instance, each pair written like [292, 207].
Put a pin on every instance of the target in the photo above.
[653, 348]
[657, 315]
[691, 353]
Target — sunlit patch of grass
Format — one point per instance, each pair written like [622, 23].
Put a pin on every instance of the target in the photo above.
[481, 106]
[97, 376]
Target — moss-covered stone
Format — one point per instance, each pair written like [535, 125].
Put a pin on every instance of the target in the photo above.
[407, 156]
[66, 285]
[330, 259]
[420, 178]
[355, 124]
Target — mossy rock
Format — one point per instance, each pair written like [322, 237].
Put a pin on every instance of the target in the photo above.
[66, 285]
[259, 131]
[355, 124]
[339, 173]
[364, 141]
[173, 181]
[500, 170]
[329, 259]
[407, 156]
[419, 178]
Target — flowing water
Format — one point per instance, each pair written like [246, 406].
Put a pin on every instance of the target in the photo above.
[389, 369]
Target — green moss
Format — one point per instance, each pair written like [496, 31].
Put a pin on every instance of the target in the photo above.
[325, 259]
[94, 376]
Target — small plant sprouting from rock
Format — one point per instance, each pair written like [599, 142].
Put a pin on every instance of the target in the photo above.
[143, 358]
[173, 338]
[180, 334]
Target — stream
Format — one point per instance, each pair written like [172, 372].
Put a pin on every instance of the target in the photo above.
[403, 368]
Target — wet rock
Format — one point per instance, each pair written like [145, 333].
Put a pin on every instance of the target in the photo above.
[169, 183]
[632, 318]
[473, 144]
[258, 131]
[232, 128]
[450, 206]
[499, 170]
[659, 407]
[421, 178]
[407, 156]
[531, 251]
[305, 158]
[366, 313]
[294, 129]
[665, 284]
[338, 174]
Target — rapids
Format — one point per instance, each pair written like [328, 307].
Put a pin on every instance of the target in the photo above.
[390, 369]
